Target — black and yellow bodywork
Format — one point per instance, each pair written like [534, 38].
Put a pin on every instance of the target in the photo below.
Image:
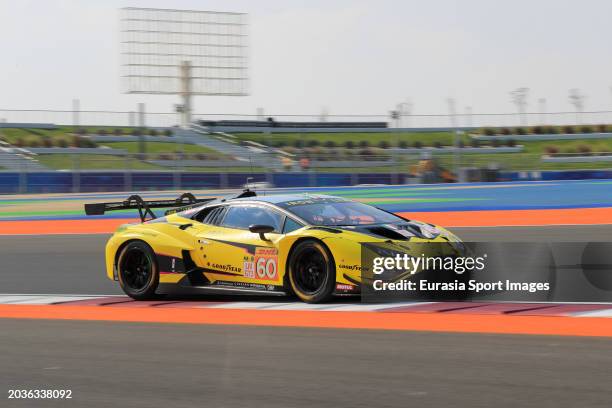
[248, 244]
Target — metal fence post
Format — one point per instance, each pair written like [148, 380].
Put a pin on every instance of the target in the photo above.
[223, 180]
[127, 176]
[76, 176]
[23, 179]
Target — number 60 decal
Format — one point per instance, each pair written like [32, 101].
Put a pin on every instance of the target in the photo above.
[266, 268]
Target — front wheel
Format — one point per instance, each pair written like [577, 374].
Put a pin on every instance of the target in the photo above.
[137, 271]
[312, 273]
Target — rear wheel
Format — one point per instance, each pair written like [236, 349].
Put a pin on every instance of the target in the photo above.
[312, 274]
[137, 271]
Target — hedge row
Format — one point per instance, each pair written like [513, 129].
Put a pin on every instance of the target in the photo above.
[46, 141]
[541, 130]
[383, 144]
[121, 132]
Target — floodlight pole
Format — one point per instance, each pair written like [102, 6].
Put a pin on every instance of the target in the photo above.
[186, 92]
[452, 114]
[76, 108]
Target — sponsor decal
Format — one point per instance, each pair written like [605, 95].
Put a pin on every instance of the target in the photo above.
[343, 287]
[226, 268]
[246, 285]
[266, 263]
[350, 267]
[248, 269]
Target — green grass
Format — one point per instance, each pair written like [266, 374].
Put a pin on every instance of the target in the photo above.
[161, 147]
[225, 169]
[27, 136]
[427, 138]
[92, 162]
[109, 162]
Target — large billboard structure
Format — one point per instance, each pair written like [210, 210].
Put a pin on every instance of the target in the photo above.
[183, 52]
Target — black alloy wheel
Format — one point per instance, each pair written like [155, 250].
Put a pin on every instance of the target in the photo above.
[312, 273]
[137, 270]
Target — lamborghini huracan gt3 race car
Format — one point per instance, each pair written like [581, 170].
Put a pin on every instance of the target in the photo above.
[302, 244]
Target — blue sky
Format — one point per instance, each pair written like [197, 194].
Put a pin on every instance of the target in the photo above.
[350, 57]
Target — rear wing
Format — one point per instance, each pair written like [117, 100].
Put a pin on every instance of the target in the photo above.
[183, 202]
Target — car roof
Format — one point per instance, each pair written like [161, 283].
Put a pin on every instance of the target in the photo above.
[274, 199]
[283, 198]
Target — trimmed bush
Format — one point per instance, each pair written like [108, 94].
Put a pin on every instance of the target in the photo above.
[118, 132]
[584, 149]
[602, 128]
[511, 143]
[312, 143]
[62, 143]
[349, 144]
[537, 130]
[152, 132]
[461, 144]
[364, 144]
[166, 156]
[81, 141]
[506, 132]
[403, 144]
[552, 130]
[495, 143]
[417, 144]
[299, 143]
[489, 132]
[437, 145]
[586, 129]
[475, 143]
[47, 141]
[383, 144]
[519, 131]
[101, 132]
[19, 142]
[34, 143]
[168, 132]
[367, 154]
[80, 131]
[551, 149]
[568, 129]
[137, 132]
[330, 144]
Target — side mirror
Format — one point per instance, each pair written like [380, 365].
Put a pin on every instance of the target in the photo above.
[261, 230]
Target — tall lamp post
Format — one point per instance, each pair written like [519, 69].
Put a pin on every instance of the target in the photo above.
[452, 112]
[576, 98]
[519, 98]
[542, 110]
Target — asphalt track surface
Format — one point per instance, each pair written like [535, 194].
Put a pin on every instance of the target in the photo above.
[151, 365]
[74, 264]
[161, 365]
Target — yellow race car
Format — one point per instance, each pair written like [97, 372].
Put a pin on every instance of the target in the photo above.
[303, 244]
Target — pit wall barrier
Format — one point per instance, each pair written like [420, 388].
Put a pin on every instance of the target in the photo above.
[100, 181]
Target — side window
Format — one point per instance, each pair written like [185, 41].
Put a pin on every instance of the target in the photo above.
[291, 225]
[211, 216]
[201, 216]
[243, 216]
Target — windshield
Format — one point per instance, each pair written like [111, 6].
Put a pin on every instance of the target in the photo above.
[338, 213]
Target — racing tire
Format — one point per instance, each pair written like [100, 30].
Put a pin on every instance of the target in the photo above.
[137, 271]
[312, 272]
